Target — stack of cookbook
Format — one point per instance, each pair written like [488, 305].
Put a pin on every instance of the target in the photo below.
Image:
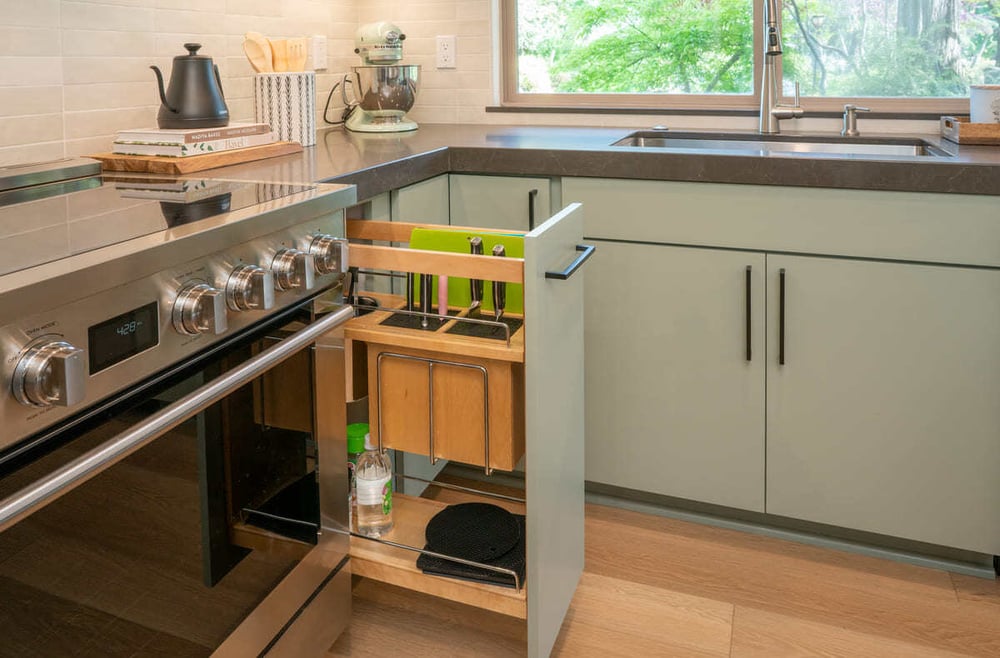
[182, 143]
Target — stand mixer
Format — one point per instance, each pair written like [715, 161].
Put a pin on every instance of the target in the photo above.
[384, 90]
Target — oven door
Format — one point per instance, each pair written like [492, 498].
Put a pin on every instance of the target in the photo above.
[183, 519]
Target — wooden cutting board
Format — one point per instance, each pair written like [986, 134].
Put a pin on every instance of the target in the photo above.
[154, 164]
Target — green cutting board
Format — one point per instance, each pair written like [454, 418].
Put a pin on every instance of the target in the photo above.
[457, 241]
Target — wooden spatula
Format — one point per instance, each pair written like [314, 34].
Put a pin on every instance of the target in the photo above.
[279, 54]
[258, 51]
[298, 50]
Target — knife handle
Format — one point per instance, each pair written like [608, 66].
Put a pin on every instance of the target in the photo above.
[499, 287]
[476, 285]
[426, 281]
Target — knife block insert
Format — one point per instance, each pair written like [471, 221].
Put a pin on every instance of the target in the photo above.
[414, 321]
[486, 330]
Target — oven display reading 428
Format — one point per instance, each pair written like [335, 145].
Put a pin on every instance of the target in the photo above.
[123, 336]
[129, 327]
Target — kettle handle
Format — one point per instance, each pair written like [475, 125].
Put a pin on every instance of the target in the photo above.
[218, 79]
[159, 85]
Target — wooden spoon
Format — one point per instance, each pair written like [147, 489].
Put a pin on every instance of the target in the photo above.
[258, 51]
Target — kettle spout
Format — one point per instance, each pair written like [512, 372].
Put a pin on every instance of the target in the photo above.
[159, 84]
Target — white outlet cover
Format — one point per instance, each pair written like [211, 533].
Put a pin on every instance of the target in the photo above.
[317, 52]
[446, 51]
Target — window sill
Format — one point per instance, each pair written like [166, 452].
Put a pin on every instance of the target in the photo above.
[822, 114]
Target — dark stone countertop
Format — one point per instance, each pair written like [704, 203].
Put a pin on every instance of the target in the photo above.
[377, 163]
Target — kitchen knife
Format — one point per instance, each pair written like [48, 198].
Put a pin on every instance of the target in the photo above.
[443, 298]
[499, 288]
[352, 284]
[475, 285]
[426, 281]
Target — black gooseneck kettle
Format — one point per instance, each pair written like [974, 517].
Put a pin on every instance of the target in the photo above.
[193, 98]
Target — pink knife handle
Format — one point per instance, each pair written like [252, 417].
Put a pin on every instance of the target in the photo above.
[442, 295]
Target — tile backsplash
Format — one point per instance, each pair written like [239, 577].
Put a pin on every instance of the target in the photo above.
[74, 72]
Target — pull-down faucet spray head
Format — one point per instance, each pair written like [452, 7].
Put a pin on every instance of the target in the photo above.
[772, 40]
[771, 109]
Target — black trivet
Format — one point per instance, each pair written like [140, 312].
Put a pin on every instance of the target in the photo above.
[514, 560]
[472, 531]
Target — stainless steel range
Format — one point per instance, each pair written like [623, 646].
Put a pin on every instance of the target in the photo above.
[145, 323]
[106, 281]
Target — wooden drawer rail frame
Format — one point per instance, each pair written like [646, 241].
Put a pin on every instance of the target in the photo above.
[440, 556]
[466, 266]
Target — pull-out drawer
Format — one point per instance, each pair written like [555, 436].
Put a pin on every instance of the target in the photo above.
[480, 399]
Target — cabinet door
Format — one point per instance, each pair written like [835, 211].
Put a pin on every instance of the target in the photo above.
[425, 202]
[554, 422]
[504, 202]
[675, 404]
[885, 415]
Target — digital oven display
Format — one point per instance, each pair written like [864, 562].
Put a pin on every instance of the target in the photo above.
[125, 335]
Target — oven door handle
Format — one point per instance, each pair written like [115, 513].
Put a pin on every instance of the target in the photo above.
[36, 496]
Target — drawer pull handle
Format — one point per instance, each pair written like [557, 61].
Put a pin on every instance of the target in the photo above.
[586, 251]
[749, 314]
[781, 317]
[531, 209]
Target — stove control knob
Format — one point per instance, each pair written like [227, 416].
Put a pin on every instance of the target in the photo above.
[293, 269]
[330, 254]
[51, 372]
[200, 309]
[250, 288]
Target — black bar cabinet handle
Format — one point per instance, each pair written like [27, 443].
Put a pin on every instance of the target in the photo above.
[586, 251]
[781, 317]
[531, 209]
[749, 310]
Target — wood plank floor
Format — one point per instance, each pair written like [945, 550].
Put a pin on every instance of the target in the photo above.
[660, 587]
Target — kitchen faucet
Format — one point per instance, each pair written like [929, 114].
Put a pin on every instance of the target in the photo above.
[771, 110]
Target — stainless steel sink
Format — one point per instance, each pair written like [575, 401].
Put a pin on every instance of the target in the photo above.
[782, 144]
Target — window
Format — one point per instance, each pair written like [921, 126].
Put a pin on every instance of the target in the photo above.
[898, 55]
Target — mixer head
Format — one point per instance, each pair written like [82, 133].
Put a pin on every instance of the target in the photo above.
[379, 43]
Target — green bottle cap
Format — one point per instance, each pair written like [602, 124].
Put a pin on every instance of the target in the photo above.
[356, 437]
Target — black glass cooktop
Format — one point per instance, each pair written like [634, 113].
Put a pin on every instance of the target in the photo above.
[44, 223]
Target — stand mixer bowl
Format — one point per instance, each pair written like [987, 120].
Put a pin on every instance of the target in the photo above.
[386, 92]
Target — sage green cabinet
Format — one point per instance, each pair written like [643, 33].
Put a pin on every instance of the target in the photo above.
[499, 202]
[885, 416]
[425, 202]
[504, 202]
[675, 401]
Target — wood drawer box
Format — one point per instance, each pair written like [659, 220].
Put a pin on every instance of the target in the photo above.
[441, 394]
[447, 406]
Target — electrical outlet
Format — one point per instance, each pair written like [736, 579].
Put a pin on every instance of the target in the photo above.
[317, 51]
[446, 52]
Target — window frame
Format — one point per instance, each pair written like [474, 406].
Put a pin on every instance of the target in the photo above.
[511, 97]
